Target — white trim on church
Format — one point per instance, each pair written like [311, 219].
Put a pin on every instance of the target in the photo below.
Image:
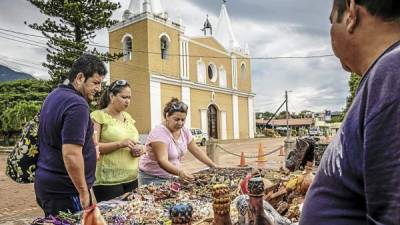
[186, 99]
[155, 103]
[235, 117]
[179, 82]
[251, 116]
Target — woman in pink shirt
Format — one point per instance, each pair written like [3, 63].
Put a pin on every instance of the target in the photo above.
[166, 145]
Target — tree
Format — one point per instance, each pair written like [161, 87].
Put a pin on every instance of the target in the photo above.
[282, 115]
[267, 115]
[70, 26]
[20, 100]
[14, 118]
[353, 85]
[305, 114]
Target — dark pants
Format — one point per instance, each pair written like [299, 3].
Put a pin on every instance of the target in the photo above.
[108, 192]
[65, 204]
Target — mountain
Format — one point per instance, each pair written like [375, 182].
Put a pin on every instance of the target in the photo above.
[7, 74]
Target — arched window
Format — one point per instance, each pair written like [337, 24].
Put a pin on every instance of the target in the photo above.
[243, 71]
[127, 47]
[212, 72]
[164, 40]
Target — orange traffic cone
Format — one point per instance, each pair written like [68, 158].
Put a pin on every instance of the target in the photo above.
[261, 156]
[242, 160]
[282, 151]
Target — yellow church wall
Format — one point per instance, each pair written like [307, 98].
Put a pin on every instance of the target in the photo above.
[167, 92]
[243, 118]
[211, 42]
[139, 59]
[134, 71]
[170, 66]
[224, 101]
[209, 56]
[198, 100]
[201, 99]
[244, 82]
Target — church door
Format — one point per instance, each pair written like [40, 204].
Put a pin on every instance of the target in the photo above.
[212, 122]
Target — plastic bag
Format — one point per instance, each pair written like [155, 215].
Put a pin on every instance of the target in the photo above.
[92, 216]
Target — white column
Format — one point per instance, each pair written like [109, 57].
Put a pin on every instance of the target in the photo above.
[204, 121]
[223, 126]
[181, 60]
[234, 72]
[186, 100]
[155, 103]
[251, 116]
[184, 60]
[187, 59]
[235, 110]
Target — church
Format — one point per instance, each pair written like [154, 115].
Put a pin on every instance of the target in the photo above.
[210, 73]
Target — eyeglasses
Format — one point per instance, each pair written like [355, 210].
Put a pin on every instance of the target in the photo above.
[179, 106]
[118, 83]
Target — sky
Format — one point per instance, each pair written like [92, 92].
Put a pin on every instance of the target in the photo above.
[271, 28]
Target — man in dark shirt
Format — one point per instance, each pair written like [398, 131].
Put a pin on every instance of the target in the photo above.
[67, 158]
[358, 180]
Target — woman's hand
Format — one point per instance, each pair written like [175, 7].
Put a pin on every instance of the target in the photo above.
[137, 150]
[215, 166]
[185, 177]
[127, 143]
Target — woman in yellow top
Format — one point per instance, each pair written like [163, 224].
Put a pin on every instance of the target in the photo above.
[117, 167]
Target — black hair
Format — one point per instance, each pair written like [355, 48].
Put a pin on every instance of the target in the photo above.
[112, 89]
[169, 109]
[88, 65]
[387, 10]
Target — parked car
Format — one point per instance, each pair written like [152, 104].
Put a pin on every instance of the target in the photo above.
[315, 133]
[199, 136]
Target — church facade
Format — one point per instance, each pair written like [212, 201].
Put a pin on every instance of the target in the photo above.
[211, 73]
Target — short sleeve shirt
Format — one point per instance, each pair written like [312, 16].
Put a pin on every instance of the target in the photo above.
[176, 149]
[358, 182]
[118, 166]
[64, 119]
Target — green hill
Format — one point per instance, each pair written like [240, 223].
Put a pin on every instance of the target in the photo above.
[7, 74]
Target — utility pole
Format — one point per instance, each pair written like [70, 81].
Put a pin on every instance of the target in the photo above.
[287, 115]
[288, 142]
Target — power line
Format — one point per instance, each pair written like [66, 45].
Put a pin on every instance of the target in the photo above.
[23, 64]
[264, 104]
[22, 42]
[20, 60]
[45, 47]
[196, 56]
[7, 34]
[26, 34]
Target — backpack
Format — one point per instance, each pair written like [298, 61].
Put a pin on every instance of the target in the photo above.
[21, 162]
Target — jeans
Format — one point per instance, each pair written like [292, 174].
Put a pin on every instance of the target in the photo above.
[145, 179]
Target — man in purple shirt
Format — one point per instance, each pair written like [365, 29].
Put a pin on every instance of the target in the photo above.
[358, 180]
[67, 158]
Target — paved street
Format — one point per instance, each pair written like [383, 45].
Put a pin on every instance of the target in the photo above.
[18, 206]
